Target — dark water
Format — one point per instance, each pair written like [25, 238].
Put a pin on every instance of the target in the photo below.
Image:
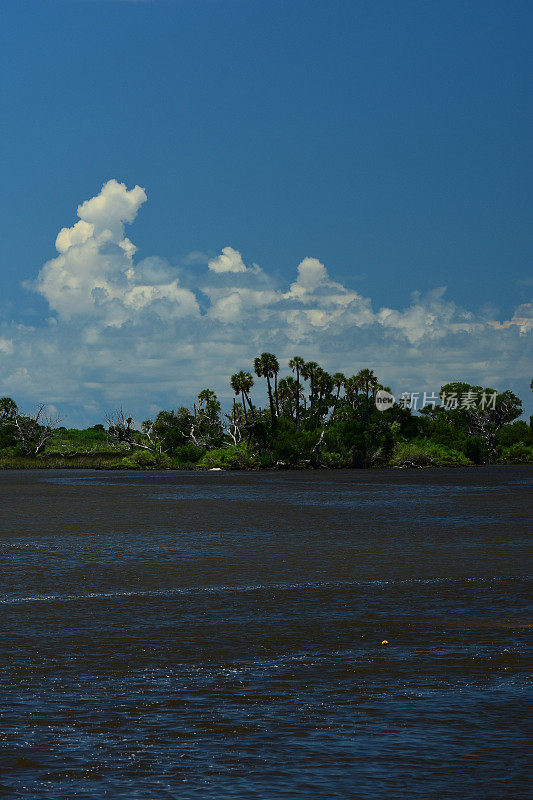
[218, 635]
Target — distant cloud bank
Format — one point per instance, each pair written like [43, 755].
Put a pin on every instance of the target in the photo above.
[149, 334]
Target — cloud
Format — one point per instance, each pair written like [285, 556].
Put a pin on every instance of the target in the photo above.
[229, 260]
[127, 331]
[113, 206]
[94, 273]
[6, 345]
[522, 318]
[431, 316]
[311, 275]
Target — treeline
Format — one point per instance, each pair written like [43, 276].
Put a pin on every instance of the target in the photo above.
[313, 419]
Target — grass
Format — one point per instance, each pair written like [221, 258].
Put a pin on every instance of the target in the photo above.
[425, 453]
[58, 461]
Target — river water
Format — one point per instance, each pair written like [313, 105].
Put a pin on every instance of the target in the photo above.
[219, 635]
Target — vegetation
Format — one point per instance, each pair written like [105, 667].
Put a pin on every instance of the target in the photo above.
[425, 453]
[313, 420]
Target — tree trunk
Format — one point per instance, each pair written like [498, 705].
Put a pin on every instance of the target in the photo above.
[336, 401]
[319, 409]
[271, 401]
[297, 398]
[311, 402]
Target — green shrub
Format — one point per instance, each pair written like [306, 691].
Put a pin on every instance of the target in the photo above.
[265, 460]
[187, 455]
[518, 453]
[425, 453]
[289, 445]
[518, 432]
[236, 457]
[475, 448]
[333, 460]
[91, 440]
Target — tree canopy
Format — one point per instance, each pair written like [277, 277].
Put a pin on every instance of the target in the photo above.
[313, 419]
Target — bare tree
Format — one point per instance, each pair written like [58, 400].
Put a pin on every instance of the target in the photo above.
[153, 441]
[204, 428]
[33, 431]
[120, 427]
[121, 430]
[234, 423]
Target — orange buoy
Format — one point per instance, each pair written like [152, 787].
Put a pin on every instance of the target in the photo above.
[384, 641]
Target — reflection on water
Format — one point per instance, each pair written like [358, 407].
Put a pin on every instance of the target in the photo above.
[218, 635]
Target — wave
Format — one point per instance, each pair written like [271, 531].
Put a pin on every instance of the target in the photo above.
[261, 587]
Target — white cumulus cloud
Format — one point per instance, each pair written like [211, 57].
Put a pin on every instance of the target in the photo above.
[94, 273]
[229, 260]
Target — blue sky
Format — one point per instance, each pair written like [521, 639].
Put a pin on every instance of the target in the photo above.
[389, 141]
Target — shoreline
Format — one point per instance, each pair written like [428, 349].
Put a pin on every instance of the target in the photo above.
[24, 466]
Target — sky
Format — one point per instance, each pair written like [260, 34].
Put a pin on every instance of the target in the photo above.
[189, 183]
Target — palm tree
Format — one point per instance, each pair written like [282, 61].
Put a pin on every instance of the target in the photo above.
[324, 384]
[267, 365]
[297, 364]
[288, 392]
[338, 381]
[351, 392]
[274, 365]
[309, 372]
[241, 383]
[367, 382]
